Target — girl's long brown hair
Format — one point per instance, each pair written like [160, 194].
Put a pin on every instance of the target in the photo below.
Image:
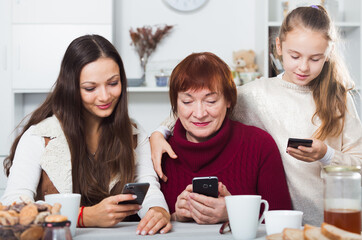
[91, 176]
[331, 86]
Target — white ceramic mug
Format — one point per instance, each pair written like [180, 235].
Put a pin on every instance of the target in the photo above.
[243, 212]
[70, 206]
[277, 220]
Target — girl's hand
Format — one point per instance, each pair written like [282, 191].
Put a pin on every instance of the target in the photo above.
[209, 210]
[309, 154]
[155, 219]
[159, 145]
[108, 212]
[182, 211]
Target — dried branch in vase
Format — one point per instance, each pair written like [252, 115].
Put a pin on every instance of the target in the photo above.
[146, 38]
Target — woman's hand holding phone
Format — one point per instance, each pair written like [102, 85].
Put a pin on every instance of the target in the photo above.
[209, 210]
[201, 208]
[182, 211]
[108, 212]
[309, 154]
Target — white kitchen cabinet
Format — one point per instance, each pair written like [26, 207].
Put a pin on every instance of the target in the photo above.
[38, 50]
[41, 31]
[348, 20]
[6, 103]
[62, 12]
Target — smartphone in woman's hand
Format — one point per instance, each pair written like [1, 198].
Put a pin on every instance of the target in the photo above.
[138, 189]
[206, 185]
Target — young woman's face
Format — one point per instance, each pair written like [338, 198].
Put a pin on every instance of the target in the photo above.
[100, 87]
[201, 113]
[304, 53]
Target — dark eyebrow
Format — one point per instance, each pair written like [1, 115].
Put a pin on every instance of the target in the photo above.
[109, 79]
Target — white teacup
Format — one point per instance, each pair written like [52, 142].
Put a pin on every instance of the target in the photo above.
[243, 212]
[277, 220]
[70, 206]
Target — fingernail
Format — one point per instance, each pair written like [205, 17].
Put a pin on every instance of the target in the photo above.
[135, 212]
[143, 233]
[150, 232]
[138, 232]
[162, 231]
[140, 206]
[134, 196]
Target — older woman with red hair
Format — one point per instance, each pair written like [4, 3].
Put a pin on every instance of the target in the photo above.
[245, 159]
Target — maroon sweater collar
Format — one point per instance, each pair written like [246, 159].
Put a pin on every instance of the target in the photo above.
[206, 156]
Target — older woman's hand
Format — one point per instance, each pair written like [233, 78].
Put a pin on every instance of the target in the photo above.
[182, 211]
[159, 145]
[108, 212]
[209, 210]
[309, 154]
[155, 219]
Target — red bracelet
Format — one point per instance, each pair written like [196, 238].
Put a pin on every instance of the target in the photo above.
[80, 221]
[82, 217]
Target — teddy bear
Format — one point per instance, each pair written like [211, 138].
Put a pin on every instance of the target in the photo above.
[244, 61]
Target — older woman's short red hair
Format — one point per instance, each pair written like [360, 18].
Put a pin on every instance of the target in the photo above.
[199, 71]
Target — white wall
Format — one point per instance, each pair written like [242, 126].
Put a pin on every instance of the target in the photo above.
[220, 27]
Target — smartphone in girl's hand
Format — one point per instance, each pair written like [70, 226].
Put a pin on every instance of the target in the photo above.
[296, 142]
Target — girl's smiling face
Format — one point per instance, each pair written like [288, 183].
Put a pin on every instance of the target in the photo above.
[304, 53]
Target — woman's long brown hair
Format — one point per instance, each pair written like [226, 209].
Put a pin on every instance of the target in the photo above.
[331, 86]
[91, 176]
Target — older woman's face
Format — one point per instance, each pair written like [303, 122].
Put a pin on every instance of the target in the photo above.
[201, 113]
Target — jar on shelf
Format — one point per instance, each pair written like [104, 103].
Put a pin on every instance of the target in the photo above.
[342, 197]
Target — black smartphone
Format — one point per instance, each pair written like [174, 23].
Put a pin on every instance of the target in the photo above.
[206, 185]
[296, 142]
[138, 189]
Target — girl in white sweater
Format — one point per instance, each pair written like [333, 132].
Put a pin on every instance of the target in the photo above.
[310, 99]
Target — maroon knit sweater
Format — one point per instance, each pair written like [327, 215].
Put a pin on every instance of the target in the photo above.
[244, 158]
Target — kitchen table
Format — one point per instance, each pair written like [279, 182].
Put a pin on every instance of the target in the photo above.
[189, 231]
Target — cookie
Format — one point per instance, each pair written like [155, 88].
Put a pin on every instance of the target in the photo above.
[56, 208]
[28, 214]
[6, 219]
[32, 233]
[56, 218]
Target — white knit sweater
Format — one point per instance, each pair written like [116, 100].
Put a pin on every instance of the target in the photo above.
[32, 156]
[285, 110]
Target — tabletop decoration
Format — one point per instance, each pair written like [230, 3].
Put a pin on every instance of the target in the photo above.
[145, 40]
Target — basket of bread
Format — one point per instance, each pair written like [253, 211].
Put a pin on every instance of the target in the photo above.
[24, 220]
[325, 232]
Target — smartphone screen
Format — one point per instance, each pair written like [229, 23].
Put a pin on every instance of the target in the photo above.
[296, 142]
[206, 185]
[138, 189]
